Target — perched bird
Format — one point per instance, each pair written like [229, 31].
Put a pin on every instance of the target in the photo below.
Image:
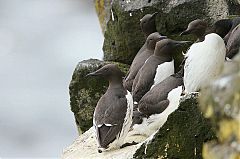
[197, 28]
[204, 62]
[233, 43]
[148, 25]
[152, 123]
[157, 67]
[113, 114]
[222, 27]
[140, 58]
[231, 23]
[155, 101]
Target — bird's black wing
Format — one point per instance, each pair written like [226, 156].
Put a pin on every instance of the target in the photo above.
[109, 122]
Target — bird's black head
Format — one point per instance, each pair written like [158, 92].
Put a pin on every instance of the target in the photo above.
[197, 27]
[166, 47]
[221, 27]
[147, 24]
[152, 39]
[109, 71]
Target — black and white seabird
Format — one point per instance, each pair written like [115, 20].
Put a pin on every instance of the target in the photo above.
[147, 24]
[233, 42]
[204, 62]
[151, 124]
[157, 67]
[155, 101]
[113, 114]
[232, 23]
[222, 27]
[197, 28]
[140, 58]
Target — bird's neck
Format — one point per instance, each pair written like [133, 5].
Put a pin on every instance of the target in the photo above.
[200, 34]
[150, 31]
[180, 73]
[164, 57]
[201, 38]
[151, 48]
[115, 83]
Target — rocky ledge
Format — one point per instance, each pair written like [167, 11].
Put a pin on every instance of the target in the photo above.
[182, 136]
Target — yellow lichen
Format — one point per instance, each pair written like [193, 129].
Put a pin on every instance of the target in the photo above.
[228, 129]
[209, 111]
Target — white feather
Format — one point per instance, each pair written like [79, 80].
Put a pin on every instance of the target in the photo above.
[204, 62]
[151, 125]
[119, 141]
[163, 71]
[108, 124]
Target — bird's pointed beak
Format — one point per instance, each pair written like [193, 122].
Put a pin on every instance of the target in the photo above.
[185, 32]
[154, 15]
[161, 38]
[180, 43]
[96, 73]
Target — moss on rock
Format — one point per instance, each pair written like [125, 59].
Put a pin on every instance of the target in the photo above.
[182, 136]
[85, 92]
[123, 36]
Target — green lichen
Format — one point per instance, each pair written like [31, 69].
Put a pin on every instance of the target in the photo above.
[182, 136]
[123, 36]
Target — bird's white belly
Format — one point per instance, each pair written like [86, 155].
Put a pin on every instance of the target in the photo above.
[163, 71]
[199, 72]
[154, 122]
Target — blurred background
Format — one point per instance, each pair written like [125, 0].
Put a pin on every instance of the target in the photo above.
[41, 42]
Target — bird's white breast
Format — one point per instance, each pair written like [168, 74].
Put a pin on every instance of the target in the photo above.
[204, 62]
[163, 71]
[154, 122]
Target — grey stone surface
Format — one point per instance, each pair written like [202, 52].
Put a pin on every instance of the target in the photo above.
[123, 36]
[182, 136]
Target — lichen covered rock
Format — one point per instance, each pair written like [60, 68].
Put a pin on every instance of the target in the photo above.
[182, 137]
[103, 8]
[85, 92]
[220, 102]
[123, 36]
